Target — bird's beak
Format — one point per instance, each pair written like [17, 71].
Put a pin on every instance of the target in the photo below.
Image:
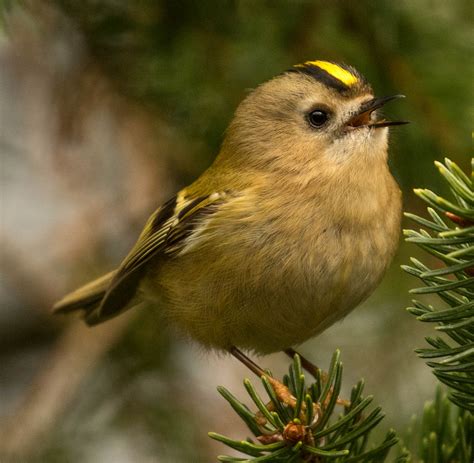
[362, 118]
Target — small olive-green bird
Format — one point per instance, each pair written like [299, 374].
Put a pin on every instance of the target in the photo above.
[291, 227]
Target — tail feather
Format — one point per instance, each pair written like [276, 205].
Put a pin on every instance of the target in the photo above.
[87, 298]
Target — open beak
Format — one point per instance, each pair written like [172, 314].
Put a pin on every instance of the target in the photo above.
[363, 116]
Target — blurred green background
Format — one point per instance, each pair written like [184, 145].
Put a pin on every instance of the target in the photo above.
[107, 108]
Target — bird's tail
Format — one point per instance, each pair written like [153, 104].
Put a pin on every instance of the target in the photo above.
[87, 298]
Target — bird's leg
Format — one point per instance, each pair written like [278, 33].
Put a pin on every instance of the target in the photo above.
[250, 364]
[281, 391]
[312, 369]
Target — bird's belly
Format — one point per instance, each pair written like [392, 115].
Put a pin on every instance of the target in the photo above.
[275, 299]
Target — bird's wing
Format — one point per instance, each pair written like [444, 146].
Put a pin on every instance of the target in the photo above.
[165, 233]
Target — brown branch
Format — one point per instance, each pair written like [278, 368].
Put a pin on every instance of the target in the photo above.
[74, 357]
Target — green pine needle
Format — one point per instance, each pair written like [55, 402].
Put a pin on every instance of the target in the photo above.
[451, 240]
[310, 427]
[445, 433]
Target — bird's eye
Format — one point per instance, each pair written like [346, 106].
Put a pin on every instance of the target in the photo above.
[318, 117]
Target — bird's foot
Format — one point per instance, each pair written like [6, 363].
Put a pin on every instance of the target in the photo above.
[282, 392]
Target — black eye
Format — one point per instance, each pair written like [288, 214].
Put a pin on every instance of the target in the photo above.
[318, 117]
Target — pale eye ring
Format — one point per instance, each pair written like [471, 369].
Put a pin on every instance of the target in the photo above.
[318, 117]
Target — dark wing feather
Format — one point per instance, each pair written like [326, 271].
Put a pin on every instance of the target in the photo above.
[164, 233]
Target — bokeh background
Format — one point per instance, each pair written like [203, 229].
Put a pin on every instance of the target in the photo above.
[107, 107]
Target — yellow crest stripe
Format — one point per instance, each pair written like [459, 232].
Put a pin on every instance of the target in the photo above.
[339, 73]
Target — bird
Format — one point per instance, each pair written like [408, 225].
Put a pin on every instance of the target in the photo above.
[292, 226]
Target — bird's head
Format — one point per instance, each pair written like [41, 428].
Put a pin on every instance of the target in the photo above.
[318, 111]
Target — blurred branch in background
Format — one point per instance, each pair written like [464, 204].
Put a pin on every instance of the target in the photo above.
[75, 354]
[106, 108]
[68, 139]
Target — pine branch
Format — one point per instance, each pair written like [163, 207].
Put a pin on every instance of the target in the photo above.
[448, 236]
[445, 433]
[307, 428]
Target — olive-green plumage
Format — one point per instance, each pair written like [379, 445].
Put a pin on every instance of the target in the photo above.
[292, 226]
